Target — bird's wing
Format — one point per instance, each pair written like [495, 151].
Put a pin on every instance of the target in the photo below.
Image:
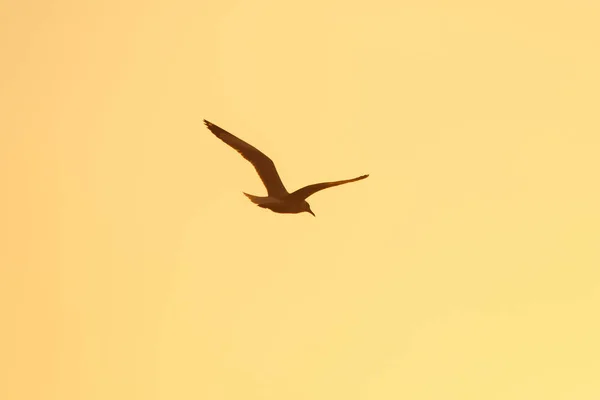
[263, 164]
[312, 189]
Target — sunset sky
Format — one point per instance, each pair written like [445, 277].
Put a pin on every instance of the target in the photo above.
[466, 267]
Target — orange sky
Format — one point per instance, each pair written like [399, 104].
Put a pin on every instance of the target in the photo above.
[465, 267]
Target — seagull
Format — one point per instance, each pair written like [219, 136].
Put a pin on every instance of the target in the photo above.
[279, 200]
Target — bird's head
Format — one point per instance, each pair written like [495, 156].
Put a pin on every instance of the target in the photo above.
[306, 208]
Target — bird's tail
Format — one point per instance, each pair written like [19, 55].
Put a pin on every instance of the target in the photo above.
[255, 199]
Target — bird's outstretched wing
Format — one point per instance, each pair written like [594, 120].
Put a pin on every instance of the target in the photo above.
[309, 190]
[263, 164]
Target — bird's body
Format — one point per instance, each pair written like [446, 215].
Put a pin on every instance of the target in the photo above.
[278, 205]
[279, 200]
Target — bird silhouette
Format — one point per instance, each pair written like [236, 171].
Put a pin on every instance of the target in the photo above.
[279, 200]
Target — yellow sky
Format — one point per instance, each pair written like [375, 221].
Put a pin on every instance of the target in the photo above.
[465, 267]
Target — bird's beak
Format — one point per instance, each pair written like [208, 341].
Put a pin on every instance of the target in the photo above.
[313, 214]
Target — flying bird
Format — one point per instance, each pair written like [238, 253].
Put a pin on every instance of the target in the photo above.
[279, 200]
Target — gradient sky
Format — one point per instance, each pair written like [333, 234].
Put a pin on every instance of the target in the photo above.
[466, 266]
